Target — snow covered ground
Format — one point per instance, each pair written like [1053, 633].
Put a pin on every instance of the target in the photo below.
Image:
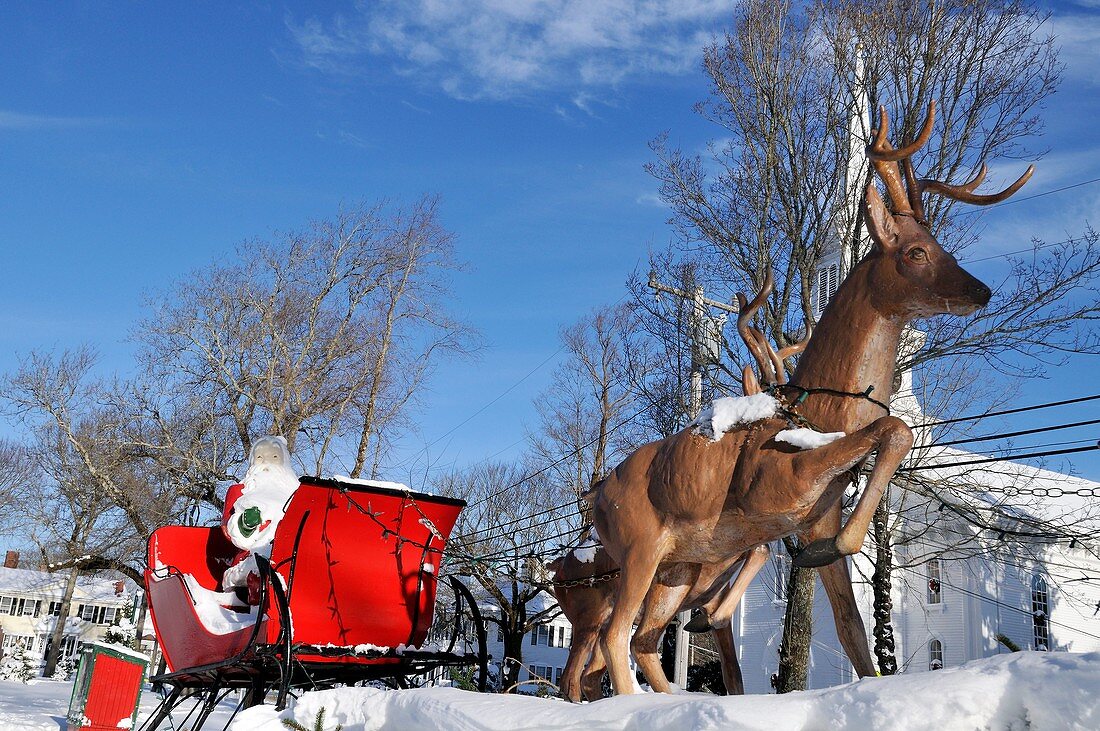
[1038, 691]
[43, 703]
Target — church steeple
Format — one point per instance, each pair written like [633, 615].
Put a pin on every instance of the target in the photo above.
[851, 241]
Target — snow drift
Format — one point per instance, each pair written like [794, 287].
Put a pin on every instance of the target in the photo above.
[1039, 691]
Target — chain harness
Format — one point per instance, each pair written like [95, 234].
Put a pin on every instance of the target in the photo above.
[589, 581]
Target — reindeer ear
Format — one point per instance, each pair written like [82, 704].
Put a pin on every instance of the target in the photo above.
[880, 222]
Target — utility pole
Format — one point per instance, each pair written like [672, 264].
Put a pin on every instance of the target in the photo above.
[706, 350]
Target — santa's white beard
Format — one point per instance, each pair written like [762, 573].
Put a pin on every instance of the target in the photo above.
[269, 488]
[272, 479]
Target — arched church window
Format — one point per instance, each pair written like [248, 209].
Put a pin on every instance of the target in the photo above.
[935, 655]
[934, 578]
[1040, 613]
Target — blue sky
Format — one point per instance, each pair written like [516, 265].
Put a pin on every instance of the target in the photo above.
[141, 141]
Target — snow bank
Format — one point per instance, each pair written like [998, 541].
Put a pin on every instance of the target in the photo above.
[807, 438]
[725, 413]
[1040, 691]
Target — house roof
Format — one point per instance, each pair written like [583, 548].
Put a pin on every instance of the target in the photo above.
[1021, 489]
[42, 584]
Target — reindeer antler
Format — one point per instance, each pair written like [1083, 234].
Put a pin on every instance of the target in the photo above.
[753, 338]
[965, 192]
[767, 359]
[906, 197]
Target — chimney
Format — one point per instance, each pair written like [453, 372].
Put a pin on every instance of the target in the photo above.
[11, 560]
[119, 588]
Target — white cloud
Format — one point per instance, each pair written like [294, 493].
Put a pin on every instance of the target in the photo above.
[650, 199]
[500, 49]
[1078, 37]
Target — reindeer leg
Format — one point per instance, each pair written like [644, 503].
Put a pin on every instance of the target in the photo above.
[592, 679]
[727, 656]
[582, 653]
[837, 581]
[638, 567]
[892, 438]
[663, 601]
[719, 610]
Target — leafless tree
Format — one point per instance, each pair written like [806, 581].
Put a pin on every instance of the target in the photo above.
[322, 336]
[17, 478]
[89, 508]
[513, 525]
[588, 413]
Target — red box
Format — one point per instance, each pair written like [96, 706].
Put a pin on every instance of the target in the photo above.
[107, 688]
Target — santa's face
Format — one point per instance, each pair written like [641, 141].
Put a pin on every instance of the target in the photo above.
[267, 457]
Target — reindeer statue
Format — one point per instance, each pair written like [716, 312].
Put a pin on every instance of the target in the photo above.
[584, 587]
[738, 477]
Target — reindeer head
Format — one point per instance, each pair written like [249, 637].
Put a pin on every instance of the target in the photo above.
[914, 277]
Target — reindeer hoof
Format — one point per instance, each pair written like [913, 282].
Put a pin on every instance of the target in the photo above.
[698, 624]
[821, 552]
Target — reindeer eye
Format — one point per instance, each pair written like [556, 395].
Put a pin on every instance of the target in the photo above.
[917, 254]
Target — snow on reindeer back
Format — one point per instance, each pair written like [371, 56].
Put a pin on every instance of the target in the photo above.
[808, 438]
[726, 413]
[585, 552]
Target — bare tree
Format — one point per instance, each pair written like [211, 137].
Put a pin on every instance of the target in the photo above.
[775, 194]
[587, 415]
[89, 509]
[322, 336]
[512, 526]
[17, 479]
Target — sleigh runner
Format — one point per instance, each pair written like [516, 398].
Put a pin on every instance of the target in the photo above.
[347, 594]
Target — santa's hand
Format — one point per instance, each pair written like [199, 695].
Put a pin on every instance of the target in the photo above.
[250, 521]
[248, 528]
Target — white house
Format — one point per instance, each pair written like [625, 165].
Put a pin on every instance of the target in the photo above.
[30, 601]
[545, 648]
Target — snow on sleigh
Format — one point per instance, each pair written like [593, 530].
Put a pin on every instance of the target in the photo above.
[347, 595]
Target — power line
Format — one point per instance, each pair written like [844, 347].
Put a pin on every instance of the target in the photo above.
[1020, 410]
[994, 555]
[1044, 245]
[973, 211]
[1001, 530]
[471, 417]
[561, 459]
[510, 551]
[498, 526]
[1005, 458]
[1006, 435]
[1018, 448]
[501, 395]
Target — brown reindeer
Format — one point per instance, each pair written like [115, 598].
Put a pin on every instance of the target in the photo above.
[698, 499]
[584, 590]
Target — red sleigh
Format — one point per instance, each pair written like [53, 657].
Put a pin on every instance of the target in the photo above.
[347, 595]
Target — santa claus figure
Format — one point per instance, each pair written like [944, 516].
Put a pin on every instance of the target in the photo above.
[253, 510]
